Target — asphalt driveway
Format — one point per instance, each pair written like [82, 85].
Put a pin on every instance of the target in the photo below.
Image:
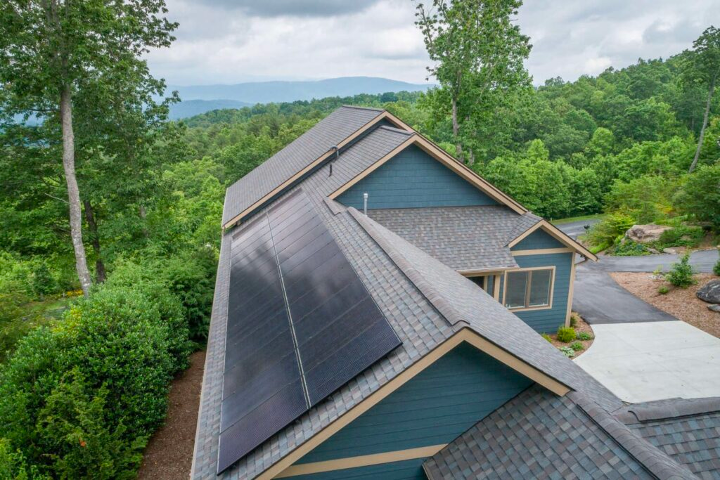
[641, 353]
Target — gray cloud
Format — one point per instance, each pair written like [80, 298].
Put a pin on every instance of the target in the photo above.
[229, 41]
[293, 8]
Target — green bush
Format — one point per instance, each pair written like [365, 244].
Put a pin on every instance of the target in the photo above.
[547, 337]
[43, 282]
[567, 351]
[681, 273]
[81, 398]
[628, 248]
[682, 236]
[13, 464]
[663, 290]
[700, 196]
[573, 321]
[605, 232]
[584, 336]
[577, 346]
[565, 334]
[716, 268]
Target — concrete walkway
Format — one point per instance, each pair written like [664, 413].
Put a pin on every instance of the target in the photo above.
[640, 362]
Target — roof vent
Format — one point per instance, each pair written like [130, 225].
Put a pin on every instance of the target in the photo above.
[335, 149]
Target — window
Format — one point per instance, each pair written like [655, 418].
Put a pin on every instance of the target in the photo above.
[529, 288]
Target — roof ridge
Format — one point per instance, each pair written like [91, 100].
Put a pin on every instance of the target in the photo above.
[426, 289]
[659, 410]
[653, 459]
[364, 108]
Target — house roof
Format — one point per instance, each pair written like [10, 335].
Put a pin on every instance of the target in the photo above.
[422, 318]
[463, 238]
[540, 435]
[686, 430]
[426, 302]
[298, 155]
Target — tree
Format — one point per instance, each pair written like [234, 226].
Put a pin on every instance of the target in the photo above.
[479, 54]
[54, 51]
[702, 66]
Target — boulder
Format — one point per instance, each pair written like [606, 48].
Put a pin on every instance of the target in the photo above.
[645, 233]
[714, 308]
[710, 292]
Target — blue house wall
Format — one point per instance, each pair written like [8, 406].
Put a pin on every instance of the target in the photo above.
[414, 179]
[433, 408]
[537, 240]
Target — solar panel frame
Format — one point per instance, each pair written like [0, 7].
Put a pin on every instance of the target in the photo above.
[294, 298]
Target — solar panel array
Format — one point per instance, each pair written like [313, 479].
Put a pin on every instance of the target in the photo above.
[300, 325]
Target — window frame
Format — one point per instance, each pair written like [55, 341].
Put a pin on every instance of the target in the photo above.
[528, 287]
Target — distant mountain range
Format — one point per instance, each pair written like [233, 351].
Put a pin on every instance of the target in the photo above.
[197, 99]
[190, 108]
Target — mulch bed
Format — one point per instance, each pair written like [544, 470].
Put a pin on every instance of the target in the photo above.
[678, 302]
[168, 455]
[580, 326]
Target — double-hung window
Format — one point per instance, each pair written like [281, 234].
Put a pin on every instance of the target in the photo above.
[526, 289]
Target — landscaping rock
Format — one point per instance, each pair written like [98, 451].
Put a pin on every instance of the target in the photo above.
[645, 233]
[714, 308]
[710, 292]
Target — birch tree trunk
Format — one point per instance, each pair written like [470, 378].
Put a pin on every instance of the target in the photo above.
[456, 130]
[73, 191]
[704, 125]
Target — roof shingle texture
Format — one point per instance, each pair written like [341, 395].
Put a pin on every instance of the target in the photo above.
[304, 150]
[686, 430]
[541, 435]
[463, 238]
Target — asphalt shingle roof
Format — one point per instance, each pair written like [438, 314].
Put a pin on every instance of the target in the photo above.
[686, 430]
[304, 150]
[463, 238]
[541, 435]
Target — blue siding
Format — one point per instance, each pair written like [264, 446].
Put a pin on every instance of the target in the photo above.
[435, 407]
[547, 321]
[407, 470]
[538, 239]
[414, 179]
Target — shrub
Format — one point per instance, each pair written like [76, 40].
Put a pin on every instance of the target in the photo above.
[565, 334]
[716, 268]
[628, 248]
[663, 290]
[608, 229]
[577, 346]
[682, 236]
[43, 282]
[681, 273]
[546, 337]
[584, 336]
[567, 351]
[573, 321]
[80, 398]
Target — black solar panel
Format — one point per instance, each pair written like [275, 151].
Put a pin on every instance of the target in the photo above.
[300, 325]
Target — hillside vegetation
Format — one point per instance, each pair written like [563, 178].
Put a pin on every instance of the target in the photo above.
[110, 213]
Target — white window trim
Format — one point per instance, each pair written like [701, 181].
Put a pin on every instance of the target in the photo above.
[549, 306]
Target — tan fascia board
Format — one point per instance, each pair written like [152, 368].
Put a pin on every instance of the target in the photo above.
[361, 461]
[440, 155]
[558, 235]
[485, 271]
[384, 115]
[464, 335]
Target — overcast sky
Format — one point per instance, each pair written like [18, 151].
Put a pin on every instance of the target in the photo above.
[232, 41]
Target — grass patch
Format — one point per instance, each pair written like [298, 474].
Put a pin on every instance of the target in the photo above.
[597, 216]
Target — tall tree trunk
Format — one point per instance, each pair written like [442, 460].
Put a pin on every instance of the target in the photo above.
[73, 191]
[704, 124]
[456, 129]
[95, 241]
